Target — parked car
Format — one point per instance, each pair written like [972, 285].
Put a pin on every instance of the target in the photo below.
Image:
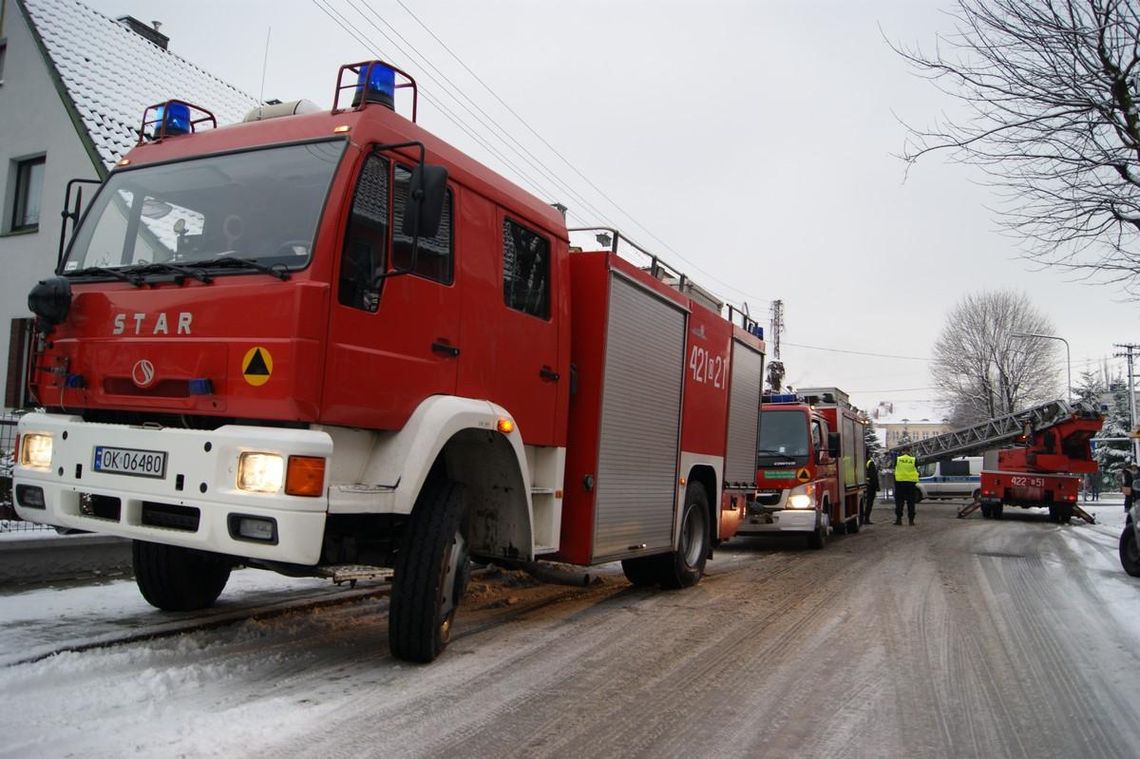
[953, 478]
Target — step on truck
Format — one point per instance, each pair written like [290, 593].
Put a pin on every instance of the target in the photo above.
[326, 342]
[811, 466]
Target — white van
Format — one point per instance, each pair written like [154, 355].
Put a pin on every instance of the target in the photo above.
[953, 478]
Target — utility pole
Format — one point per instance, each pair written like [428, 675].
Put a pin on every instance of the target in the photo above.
[1129, 348]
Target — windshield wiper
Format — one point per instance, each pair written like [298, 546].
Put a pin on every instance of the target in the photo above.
[132, 277]
[276, 270]
[771, 452]
[181, 271]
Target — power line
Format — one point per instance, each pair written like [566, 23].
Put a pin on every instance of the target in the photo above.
[344, 23]
[572, 167]
[857, 353]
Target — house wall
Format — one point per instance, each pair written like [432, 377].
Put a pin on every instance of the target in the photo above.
[33, 121]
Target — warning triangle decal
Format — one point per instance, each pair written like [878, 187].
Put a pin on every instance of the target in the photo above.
[803, 475]
[256, 365]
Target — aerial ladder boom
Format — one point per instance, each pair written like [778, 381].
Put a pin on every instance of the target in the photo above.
[1020, 426]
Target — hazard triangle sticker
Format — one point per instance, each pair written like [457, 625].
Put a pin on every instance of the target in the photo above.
[257, 366]
[803, 475]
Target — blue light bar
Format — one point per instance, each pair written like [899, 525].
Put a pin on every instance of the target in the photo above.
[782, 398]
[376, 83]
[757, 331]
[173, 119]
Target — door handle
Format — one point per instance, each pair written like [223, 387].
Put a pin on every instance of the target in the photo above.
[548, 375]
[441, 346]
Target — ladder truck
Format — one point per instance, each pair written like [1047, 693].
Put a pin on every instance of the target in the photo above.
[1031, 458]
[328, 343]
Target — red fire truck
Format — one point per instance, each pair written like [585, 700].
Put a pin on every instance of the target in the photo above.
[811, 463]
[328, 342]
[1030, 458]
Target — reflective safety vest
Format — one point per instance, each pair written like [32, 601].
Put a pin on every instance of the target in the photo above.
[905, 470]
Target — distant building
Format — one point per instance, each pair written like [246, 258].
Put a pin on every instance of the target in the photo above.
[911, 421]
[73, 87]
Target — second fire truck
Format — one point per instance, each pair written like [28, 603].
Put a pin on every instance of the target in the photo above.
[811, 466]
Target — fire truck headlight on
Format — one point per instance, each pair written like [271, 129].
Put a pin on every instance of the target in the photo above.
[802, 497]
[35, 451]
[260, 472]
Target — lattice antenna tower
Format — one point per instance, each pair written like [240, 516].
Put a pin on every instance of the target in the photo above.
[777, 328]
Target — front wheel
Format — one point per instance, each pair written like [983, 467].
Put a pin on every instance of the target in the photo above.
[1129, 551]
[684, 567]
[432, 569]
[818, 539]
[178, 579]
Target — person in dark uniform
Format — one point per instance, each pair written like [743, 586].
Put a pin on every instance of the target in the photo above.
[906, 485]
[872, 489]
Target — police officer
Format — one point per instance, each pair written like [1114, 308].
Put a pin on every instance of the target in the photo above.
[906, 485]
[872, 489]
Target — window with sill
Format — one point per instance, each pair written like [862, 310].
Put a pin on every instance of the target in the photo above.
[29, 177]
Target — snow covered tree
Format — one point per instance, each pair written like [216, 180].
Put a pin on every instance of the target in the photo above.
[1112, 456]
[982, 369]
[1091, 388]
[871, 439]
[1050, 90]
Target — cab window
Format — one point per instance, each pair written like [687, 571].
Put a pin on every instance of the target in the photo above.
[377, 215]
[526, 270]
[366, 242]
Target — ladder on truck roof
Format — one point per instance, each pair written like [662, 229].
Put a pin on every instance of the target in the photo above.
[995, 432]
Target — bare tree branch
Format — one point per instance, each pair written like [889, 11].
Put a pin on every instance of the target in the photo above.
[1052, 117]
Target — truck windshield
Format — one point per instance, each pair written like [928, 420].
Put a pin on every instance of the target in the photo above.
[783, 434]
[259, 205]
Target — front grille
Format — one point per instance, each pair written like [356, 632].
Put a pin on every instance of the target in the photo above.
[768, 499]
[172, 517]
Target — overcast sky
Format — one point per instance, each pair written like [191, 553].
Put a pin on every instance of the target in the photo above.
[751, 143]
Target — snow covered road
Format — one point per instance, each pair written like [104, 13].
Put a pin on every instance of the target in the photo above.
[950, 638]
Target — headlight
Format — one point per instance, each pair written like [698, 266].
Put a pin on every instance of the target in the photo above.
[802, 497]
[801, 501]
[35, 451]
[260, 472]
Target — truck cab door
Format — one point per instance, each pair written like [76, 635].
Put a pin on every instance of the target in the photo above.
[394, 326]
[528, 378]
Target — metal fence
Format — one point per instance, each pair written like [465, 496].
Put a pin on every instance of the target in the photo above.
[9, 522]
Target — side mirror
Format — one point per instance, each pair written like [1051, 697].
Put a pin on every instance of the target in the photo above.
[833, 444]
[426, 193]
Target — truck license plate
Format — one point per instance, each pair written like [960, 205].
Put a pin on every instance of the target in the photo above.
[132, 461]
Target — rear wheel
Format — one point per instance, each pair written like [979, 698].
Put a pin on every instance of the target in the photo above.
[997, 510]
[178, 579]
[1129, 551]
[431, 574]
[1064, 513]
[685, 566]
[987, 511]
[643, 571]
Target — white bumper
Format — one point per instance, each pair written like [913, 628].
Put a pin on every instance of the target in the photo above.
[190, 505]
[786, 520]
[776, 517]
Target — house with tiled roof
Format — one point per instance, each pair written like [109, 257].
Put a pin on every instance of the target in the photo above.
[73, 87]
